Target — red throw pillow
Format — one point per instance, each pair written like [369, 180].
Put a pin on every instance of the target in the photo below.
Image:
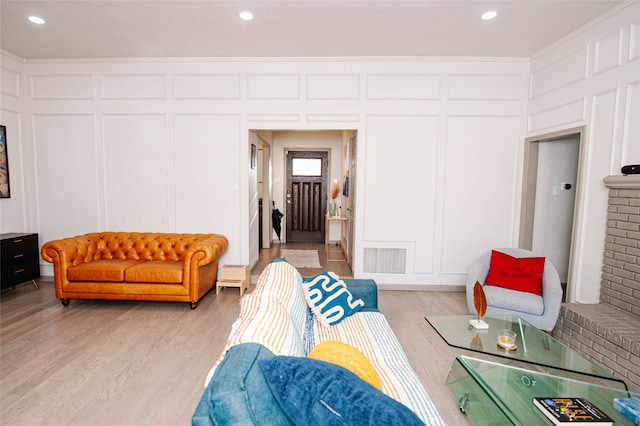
[522, 274]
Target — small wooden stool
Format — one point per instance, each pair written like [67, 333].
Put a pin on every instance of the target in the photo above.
[234, 276]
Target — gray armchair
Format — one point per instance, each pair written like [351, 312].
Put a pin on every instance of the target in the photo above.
[542, 312]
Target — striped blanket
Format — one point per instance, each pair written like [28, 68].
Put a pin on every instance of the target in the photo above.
[276, 316]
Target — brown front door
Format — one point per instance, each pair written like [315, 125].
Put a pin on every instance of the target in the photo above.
[306, 196]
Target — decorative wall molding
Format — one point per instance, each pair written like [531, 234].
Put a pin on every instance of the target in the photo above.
[565, 114]
[53, 87]
[133, 86]
[206, 86]
[273, 86]
[568, 70]
[10, 82]
[608, 52]
[333, 86]
[395, 86]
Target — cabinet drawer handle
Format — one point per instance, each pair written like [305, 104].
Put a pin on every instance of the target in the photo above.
[18, 271]
[18, 256]
[18, 241]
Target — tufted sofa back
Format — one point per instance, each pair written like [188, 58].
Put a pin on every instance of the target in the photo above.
[134, 245]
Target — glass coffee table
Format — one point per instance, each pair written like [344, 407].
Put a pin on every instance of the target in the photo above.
[492, 393]
[535, 349]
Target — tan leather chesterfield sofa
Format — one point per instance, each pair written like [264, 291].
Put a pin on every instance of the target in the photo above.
[135, 266]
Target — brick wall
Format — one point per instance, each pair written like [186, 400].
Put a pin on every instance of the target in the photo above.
[608, 333]
[620, 285]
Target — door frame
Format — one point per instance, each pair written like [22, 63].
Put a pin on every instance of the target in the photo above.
[350, 210]
[529, 181]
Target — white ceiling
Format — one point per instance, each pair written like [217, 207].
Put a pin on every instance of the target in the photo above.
[296, 28]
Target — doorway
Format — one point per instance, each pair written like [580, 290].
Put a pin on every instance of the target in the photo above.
[551, 183]
[306, 195]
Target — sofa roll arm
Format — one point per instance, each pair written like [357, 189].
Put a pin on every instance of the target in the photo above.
[67, 251]
[208, 250]
[365, 290]
[552, 292]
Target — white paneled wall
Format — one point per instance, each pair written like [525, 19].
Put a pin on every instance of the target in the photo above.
[163, 145]
[398, 181]
[591, 80]
[482, 202]
[70, 177]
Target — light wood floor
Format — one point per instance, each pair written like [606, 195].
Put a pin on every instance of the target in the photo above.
[144, 363]
[340, 268]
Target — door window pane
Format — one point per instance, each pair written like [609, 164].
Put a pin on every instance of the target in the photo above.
[306, 166]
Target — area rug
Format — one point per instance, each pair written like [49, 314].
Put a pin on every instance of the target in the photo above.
[302, 258]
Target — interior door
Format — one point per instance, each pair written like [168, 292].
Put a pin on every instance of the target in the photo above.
[306, 196]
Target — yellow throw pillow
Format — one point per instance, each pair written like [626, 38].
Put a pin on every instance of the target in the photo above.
[348, 357]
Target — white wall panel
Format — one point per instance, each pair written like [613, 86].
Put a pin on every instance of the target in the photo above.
[273, 86]
[58, 87]
[631, 140]
[563, 72]
[480, 188]
[600, 146]
[485, 87]
[337, 86]
[400, 202]
[133, 86]
[332, 118]
[404, 86]
[136, 172]
[207, 177]
[206, 86]
[608, 52]
[10, 80]
[634, 41]
[570, 112]
[67, 175]
[273, 118]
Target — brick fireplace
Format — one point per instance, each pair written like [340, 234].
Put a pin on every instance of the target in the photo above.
[608, 333]
[621, 263]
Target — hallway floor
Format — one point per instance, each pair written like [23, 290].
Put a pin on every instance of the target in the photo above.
[341, 268]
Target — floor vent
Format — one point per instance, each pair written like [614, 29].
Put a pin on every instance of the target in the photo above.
[385, 260]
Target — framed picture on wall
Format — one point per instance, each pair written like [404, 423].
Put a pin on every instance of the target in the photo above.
[5, 191]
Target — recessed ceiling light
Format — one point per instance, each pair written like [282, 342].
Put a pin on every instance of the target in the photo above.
[490, 14]
[246, 15]
[36, 20]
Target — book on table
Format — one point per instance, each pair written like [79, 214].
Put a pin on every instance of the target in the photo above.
[571, 410]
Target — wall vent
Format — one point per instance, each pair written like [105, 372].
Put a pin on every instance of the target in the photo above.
[385, 260]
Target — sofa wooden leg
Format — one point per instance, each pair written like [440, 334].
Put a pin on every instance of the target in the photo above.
[194, 305]
[65, 301]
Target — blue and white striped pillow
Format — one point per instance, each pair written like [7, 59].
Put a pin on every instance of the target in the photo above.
[329, 299]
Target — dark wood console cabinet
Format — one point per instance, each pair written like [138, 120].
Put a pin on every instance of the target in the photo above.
[20, 259]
